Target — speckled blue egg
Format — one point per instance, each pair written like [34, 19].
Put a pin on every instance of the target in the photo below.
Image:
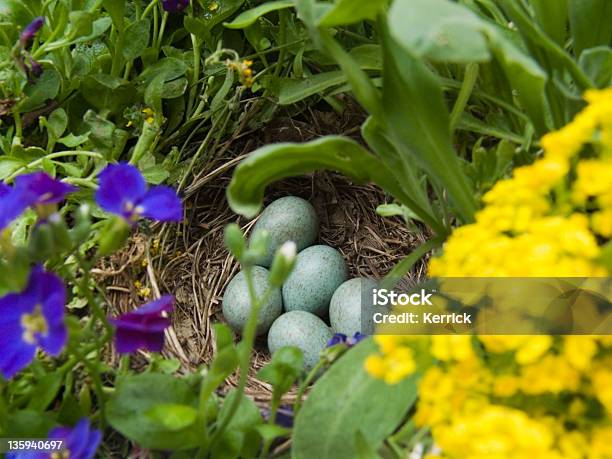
[347, 304]
[302, 330]
[237, 304]
[319, 270]
[287, 219]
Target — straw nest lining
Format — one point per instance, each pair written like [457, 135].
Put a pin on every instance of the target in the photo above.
[194, 265]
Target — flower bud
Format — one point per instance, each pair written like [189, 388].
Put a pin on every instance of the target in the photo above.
[283, 263]
[32, 29]
[82, 225]
[234, 241]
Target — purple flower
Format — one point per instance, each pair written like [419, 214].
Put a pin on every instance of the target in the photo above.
[36, 189]
[123, 191]
[338, 338]
[175, 6]
[40, 189]
[341, 338]
[80, 442]
[11, 205]
[144, 327]
[284, 416]
[32, 29]
[31, 319]
[36, 69]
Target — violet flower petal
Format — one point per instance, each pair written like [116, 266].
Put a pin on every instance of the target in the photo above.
[122, 186]
[162, 204]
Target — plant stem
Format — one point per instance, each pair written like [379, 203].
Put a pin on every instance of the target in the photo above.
[313, 373]
[469, 80]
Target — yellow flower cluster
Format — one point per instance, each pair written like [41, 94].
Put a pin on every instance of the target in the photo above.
[509, 396]
[555, 213]
[524, 396]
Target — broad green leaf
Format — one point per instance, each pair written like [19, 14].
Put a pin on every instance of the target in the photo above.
[347, 400]
[292, 91]
[45, 391]
[597, 64]
[369, 57]
[417, 119]
[8, 165]
[81, 24]
[526, 78]
[590, 23]
[417, 26]
[405, 170]
[284, 368]
[106, 92]
[248, 17]
[345, 12]
[225, 10]
[235, 436]
[170, 67]
[45, 88]
[57, 123]
[552, 17]
[100, 26]
[136, 39]
[116, 9]
[171, 416]
[363, 448]
[439, 30]
[72, 140]
[278, 161]
[133, 410]
[195, 26]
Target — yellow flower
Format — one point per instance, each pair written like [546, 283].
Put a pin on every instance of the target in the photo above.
[602, 384]
[505, 386]
[452, 347]
[551, 374]
[579, 351]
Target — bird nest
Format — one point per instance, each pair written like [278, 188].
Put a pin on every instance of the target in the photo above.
[192, 262]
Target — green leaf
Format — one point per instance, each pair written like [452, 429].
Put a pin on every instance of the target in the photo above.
[57, 123]
[552, 17]
[45, 88]
[136, 39]
[233, 438]
[347, 400]
[440, 30]
[81, 24]
[590, 23]
[270, 432]
[283, 370]
[225, 10]
[346, 12]
[171, 416]
[292, 91]
[363, 448]
[446, 31]
[417, 119]
[116, 9]
[72, 140]
[170, 67]
[278, 161]
[45, 391]
[248, 17]
[369, 57]
[8, 165]
[597, 64]
[136, 409]
[100, 26]
[155, 174]
[106, 92]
